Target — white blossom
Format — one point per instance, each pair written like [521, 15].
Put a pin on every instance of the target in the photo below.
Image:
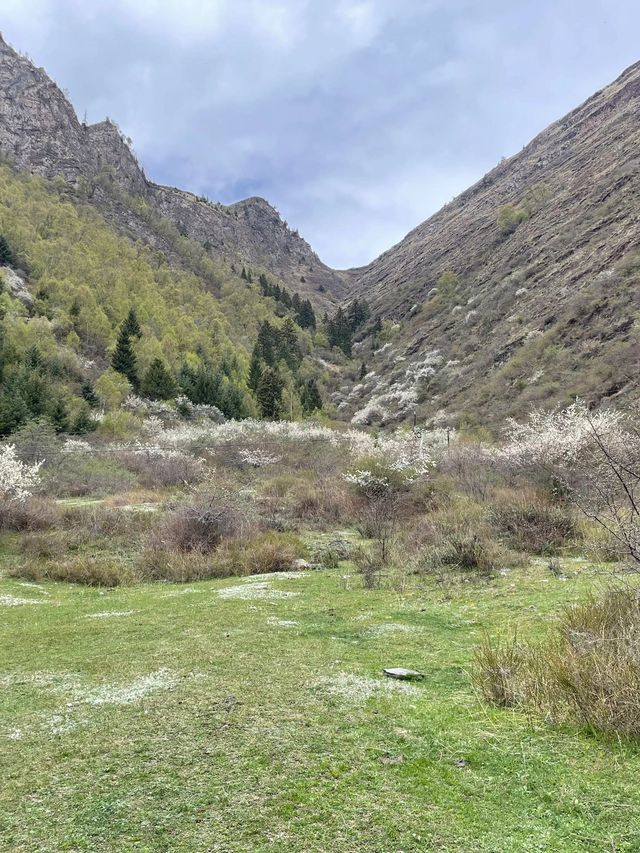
[17, 479]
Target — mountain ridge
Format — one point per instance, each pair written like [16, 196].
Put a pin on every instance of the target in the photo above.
[41, 133]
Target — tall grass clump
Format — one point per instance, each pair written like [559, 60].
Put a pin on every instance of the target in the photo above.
[587, 672]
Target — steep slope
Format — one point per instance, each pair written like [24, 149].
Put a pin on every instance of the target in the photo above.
[486, 318]
[40, 133]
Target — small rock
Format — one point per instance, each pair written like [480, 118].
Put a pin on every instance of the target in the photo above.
[460, 762]
[300, 565]
[403, 674]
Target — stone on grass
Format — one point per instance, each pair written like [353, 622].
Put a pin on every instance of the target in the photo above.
[300, 565]
[403, 674]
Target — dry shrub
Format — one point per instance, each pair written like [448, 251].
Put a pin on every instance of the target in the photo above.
[159, 470]
[160, 564]
[89, 571]
[323, 503]
[39, 545]
[272, 552]
[203, 522]
[35, 513]
[269, 552]
[533, 523]
[587, 672]
[600, 544]
[461, 538]
[77, 475]
[498, 672]
[100, 520]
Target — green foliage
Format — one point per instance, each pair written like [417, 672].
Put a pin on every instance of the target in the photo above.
[158, 383]
[310, 397]
[448, 285]
[6, 255]
[340, 332]
[124, 359]
[509, 218]
[269, 393]
[536, 197]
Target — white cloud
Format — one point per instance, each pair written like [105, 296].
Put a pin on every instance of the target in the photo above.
[356, 118]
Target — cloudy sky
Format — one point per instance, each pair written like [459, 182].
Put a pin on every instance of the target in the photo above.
[355, 118]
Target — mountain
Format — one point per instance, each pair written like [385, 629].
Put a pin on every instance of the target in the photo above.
[522, 291]
[40, 133]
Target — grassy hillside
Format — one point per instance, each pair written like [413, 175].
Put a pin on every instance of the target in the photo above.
[85, 277]
[521, 291]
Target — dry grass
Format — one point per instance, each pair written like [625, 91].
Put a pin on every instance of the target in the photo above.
[587, 672]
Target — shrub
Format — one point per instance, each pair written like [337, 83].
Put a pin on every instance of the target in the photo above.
[79, 474]
[269, 552]
[162, 469]
[587, 672]
[31, 514]
[89, 571]
[534, 524]
[203, 522]
[272, 552]
[509, 218]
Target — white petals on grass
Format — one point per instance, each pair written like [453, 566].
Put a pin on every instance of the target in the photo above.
[391, 628]
[359, 688]
[126, 694]
[281, 623]
[250, 591]
[105, 613]
[16, 601]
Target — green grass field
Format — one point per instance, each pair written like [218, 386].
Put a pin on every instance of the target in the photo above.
[252, 715]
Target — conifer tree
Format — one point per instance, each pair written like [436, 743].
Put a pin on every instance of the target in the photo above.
[363, 371]
[158, 383]
[269, 394]
[306, 315]
[310, 396]
[131, 324]
[59, 416]
[255, 371]
[88, 393]
[6, 255]
[288, 349]
[124, 359]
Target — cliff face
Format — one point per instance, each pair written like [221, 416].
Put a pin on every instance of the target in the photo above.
[40, 133]
[534, 308]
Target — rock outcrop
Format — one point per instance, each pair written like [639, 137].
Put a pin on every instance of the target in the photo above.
[40, 133]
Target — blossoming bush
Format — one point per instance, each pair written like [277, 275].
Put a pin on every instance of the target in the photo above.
[17, 479]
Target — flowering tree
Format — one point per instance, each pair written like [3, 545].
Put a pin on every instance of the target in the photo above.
[596, 457]
[17, 479]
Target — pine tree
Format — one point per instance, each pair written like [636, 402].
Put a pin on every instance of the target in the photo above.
[339, 332]
[124, 359]
[255, 371]
[288, 349]
[158, 383]
[83, 422]
[306, 315]
[59, 416]
[363, 371]
[131, 324]
[243, 274]
[310, 396]
[269, 394]
[6, 255]
[87, 392]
